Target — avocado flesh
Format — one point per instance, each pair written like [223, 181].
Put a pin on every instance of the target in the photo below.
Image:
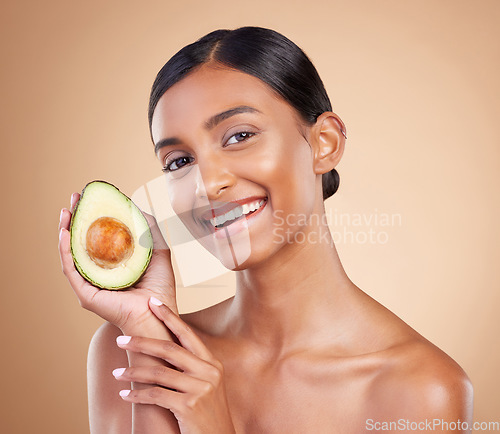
[116, 252]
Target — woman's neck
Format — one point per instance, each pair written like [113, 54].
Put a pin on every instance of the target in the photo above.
[293, 299]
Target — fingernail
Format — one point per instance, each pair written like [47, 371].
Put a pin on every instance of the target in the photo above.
[60, 234]
[118, 372]
[155, 301]
[60, 215]
[123, 340]
[124, 393]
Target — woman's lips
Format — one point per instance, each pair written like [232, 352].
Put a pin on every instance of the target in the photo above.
[229, 210]
[226, 207]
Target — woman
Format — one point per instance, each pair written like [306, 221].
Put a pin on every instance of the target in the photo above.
[241, 123]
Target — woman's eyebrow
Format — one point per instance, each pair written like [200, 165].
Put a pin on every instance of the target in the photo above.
[166, 142]
[209, 124]
[218, 118]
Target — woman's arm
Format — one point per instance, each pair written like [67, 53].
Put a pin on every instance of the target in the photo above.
[193, 388]
[108, 412]
[147, 419]
[129, 313]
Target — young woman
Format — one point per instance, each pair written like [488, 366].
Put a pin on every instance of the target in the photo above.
[242, 124]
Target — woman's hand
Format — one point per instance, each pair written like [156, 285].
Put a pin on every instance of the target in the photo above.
[194, 393]
[126, 309]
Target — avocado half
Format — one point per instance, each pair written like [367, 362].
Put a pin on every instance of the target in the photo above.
[111, 242]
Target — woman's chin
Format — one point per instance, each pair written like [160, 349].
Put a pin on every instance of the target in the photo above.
[230, 264]
[232, 251]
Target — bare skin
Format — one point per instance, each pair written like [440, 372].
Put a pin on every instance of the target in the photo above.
[303, 349]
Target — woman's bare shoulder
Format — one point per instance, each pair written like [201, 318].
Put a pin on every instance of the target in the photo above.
[419, 382]
[108, 413]
[104, 333]
[103, 350]
[410, 377]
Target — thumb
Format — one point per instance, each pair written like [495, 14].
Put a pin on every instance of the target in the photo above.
[159, 242]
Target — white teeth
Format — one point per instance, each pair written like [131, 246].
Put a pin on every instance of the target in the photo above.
[230, 215]
[237, 212]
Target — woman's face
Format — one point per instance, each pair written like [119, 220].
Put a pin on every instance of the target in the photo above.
[229, 144]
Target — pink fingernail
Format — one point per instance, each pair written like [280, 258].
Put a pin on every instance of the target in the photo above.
[118, 372]
[155, 301]
[60, 234]
[60, 215]
[123, 340]
[124, 393]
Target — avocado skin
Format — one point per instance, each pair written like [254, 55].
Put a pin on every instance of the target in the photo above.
[77, 265]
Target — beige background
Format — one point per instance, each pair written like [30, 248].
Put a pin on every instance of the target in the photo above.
[416, 83]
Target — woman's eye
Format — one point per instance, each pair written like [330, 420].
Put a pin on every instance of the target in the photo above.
[176, 164]
[239, 137]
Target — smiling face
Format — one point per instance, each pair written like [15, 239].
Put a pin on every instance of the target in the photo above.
[230, 145]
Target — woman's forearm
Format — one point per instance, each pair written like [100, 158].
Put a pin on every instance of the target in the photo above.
[150, 419]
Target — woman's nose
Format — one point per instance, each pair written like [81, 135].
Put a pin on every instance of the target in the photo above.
[213, 177]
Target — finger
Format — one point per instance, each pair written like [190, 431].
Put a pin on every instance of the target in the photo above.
[82, 288]
[75, 197]
[65, 216]
[169, 351]
[64, 219]
[187, 337]
[159, 375]
[165, 398]
[161, 258]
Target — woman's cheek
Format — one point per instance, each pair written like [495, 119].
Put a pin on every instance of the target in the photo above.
[183, 189]
[182, 201]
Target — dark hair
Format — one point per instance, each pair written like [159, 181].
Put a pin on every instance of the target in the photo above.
[265, 54]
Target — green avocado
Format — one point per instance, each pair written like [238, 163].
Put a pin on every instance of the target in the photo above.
[111, 242]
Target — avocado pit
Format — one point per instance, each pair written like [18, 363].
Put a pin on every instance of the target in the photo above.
[109, 242]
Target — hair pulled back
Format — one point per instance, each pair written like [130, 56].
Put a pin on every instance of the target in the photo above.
[265, 54]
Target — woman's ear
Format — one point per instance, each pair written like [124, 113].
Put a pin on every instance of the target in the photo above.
[327, 141]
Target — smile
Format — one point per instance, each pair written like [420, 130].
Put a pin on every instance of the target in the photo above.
[242, 211]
